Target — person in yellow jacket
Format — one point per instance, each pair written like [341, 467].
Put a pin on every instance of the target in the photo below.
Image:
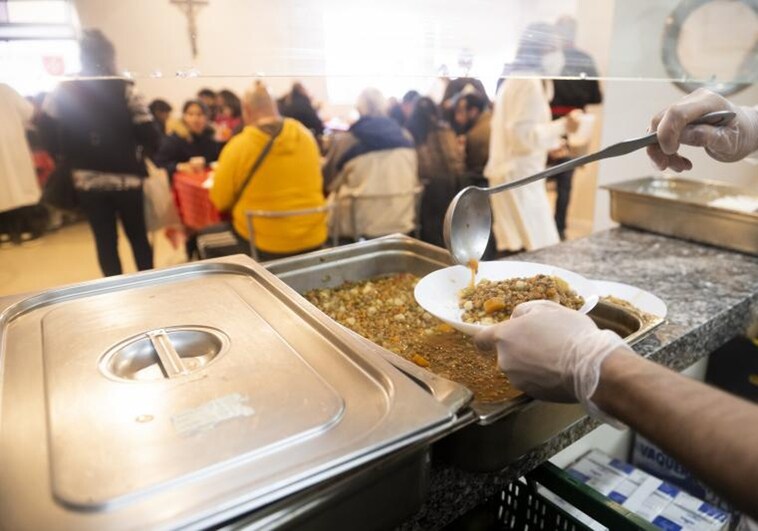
[289, 178]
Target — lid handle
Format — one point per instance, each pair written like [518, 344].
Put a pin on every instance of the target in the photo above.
[170, 361]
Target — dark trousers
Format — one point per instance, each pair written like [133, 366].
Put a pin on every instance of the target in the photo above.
[563, 191]
[102, 209]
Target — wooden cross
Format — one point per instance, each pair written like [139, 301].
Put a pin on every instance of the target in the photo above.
[190, 9]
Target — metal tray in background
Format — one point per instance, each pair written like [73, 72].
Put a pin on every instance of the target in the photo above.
[501, 431]
[192, 395]
[681, 208]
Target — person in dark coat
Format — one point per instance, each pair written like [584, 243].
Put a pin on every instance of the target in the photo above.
[192, 138]
[440, 166]
[161, 111]
[101, 127]
[297, 104]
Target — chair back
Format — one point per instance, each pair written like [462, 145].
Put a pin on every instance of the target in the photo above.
[328, 209]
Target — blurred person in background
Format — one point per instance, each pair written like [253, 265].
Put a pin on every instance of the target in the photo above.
[192, 137]
[375, 157]
[161, 111]
[297, 104]
[288, 178]
[209, 98]
[103, 128]
[471, 119]
[19, 188]
[228, 120]
[401, 110]
[395, 111]
[465, 84]
[570, 95]
[522, 134]
[440, 166]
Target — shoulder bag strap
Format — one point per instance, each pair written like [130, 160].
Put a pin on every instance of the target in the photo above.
[256, 165]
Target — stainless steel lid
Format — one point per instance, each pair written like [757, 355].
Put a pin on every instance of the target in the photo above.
[184, 397]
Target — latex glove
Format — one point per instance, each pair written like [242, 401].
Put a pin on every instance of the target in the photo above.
[728, 143]
[551, 352]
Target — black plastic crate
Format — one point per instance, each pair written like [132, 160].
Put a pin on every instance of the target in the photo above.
[521, 507]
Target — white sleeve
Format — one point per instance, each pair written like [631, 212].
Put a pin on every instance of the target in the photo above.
[529, 131]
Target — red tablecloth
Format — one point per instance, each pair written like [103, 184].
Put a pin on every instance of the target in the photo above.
[193, 201]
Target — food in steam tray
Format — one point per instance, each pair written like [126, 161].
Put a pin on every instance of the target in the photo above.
[493, 301]
[384, 311]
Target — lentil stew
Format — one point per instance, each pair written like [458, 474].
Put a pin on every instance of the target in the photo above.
[384, 311]
[491, 301]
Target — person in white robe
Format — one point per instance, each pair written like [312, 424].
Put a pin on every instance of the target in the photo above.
[522, 133]
[18, 180]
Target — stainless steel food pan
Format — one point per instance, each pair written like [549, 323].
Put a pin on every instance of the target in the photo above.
[685, 209]
[502, 431]
[187, 396]
[360, 498]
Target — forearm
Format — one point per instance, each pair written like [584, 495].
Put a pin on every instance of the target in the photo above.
[710, 432]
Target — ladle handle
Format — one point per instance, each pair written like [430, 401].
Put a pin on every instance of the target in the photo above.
[716, 118]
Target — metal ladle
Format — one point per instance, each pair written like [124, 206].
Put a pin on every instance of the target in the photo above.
[468, 219]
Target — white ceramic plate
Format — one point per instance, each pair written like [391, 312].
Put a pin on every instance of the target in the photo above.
[644, 300]
[438, 291]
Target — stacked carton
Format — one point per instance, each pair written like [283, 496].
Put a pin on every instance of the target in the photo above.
[658, 502]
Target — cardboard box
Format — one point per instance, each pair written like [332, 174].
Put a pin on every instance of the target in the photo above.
[598, 471]
[653, 460]
[677, 518]
[659, 502]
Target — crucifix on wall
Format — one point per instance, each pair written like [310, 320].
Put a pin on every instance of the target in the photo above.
[190, 9]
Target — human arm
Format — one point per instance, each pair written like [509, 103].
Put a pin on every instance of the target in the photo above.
[728, 143]
[710, 432]
[169, 154]
[556, 354]
[524, 104]
[145, 130]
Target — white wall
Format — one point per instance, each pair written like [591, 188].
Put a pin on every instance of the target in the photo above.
[629, 105]
[295, 39]
[237, 40]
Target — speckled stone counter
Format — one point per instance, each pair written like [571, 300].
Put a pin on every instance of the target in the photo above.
[711, 294]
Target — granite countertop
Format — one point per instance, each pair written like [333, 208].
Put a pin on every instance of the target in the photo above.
[711, 294]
